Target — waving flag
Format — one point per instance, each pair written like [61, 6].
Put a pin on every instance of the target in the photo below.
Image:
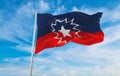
[58, 30]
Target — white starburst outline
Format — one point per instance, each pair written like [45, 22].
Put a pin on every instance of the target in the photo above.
[66, 21]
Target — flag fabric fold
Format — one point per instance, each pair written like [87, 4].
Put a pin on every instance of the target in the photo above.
[58, 30]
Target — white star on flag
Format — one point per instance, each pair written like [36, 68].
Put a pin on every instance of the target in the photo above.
[64, 31]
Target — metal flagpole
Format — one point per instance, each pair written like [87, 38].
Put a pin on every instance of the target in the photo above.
[33, 44]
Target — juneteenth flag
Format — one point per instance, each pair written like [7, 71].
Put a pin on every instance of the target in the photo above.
[58, 30]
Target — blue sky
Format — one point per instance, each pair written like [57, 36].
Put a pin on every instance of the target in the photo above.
[16, 29]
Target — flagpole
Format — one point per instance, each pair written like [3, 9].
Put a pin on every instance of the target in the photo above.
[33, 44]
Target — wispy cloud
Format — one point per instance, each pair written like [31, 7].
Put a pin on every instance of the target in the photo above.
[19, 28]
[43, 6]
[24, 48]
[112, 34]
[98, 62]
[71, 71]
[14, 71]
[59, 10]
[112, 14]
[76, 61]
[21, 23]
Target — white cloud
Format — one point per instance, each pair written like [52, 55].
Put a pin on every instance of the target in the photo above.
[75, 9]
[59, 10]
[13, 71]
[112, 14]
[72, 61]
[105, 62]
[19, 27]
[112, 34]
[24, 48]
[43, 6]
[71, 71]
[82, 71]
[85, 10]
[16, 29]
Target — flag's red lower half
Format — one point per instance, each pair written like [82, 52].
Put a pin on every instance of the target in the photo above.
[52, 40]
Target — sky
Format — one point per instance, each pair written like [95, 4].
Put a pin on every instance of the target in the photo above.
[16, 30]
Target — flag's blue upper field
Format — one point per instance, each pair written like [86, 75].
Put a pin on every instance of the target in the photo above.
[87, 23]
